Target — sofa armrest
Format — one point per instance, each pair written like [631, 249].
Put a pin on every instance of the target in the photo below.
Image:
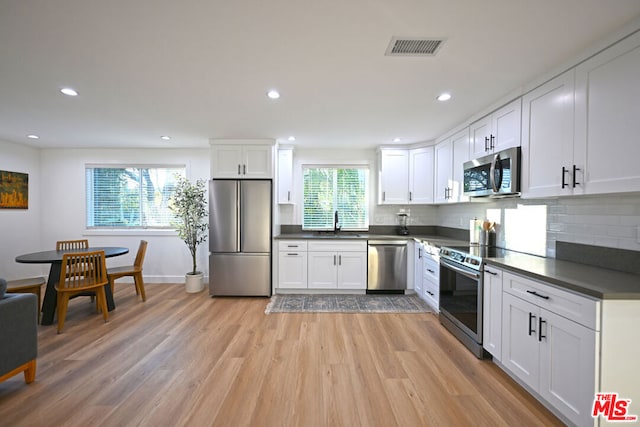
[18, 330]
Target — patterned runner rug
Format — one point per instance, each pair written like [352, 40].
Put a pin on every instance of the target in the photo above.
[347, 304]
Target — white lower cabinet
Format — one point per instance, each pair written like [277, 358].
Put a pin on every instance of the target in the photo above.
[292, 264]
[553, 355]
[431, 280]
[337, 265]
[492, 312]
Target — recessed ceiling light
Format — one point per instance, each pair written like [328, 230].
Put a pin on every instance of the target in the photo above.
[396, 140]
[291, 138]
[165, 138]
[69, 91]
[444, 97]
[273, 94]
[32, 136]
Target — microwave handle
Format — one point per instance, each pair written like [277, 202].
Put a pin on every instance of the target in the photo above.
[496, 164]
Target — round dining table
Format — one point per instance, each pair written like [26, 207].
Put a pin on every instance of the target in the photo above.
[54, 258]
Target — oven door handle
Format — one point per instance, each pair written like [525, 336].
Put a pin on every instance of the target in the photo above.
[466, 273]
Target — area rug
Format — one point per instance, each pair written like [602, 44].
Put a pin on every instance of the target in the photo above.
[347, 304]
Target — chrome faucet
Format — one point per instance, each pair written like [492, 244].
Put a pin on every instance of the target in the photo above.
[335, 222]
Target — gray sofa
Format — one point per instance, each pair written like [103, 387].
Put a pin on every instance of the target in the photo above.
[18, 334]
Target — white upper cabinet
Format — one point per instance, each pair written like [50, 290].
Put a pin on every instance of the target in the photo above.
[547, 138]
[393, 176]
[607, 114]
[405, 176]
[450, 155]
[242, 161]
[285, 175]
[421, 175]
[497, 131]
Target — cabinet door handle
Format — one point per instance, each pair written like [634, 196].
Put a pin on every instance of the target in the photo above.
[486, 143]
[410, 196]
[384, 196]
[238, 169]
[537, 294]
[540, 322]
[334, 260]
[419, 253]
[288, 196]
[575, 169]
[339, 259]
[491, 144]
[244, 169]
[564, 171]
[531, 317]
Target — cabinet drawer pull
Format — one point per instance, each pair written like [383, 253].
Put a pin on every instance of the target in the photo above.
[293, 254]
[292, 246]
[531, 317]
[430, 293]
[493, 273]
[537, 294]
[540, 322]
[431, 271]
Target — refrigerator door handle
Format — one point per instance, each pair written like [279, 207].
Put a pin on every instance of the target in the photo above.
[238, 217]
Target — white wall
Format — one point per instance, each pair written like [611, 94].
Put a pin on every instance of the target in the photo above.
[20, 229]
[64, 206]
[378, 214]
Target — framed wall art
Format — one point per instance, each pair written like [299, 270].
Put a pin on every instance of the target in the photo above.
[14, 190]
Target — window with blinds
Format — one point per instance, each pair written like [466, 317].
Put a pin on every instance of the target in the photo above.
[130, 196]
[330, 189]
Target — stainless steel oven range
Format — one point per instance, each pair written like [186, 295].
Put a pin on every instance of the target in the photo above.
[461, 270]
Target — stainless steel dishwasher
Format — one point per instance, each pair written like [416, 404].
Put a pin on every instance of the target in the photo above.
[387, 266]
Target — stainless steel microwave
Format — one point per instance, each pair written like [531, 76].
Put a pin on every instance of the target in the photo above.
[497, 174]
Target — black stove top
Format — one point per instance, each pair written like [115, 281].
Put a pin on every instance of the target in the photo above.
[472, 255]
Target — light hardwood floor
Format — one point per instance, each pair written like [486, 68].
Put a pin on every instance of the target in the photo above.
[190, 360]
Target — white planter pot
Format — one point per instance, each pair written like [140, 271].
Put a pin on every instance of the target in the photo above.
[193, 283]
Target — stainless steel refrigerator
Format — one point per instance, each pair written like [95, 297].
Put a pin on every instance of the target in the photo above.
[240, 237]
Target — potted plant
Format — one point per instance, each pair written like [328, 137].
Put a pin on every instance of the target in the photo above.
[189, 204]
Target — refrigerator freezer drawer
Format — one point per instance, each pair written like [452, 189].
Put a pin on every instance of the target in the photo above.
[240, 275]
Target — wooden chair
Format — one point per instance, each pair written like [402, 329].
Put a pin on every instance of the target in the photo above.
[31, 285]
[62, 245]
[81, 273]
[134, 271]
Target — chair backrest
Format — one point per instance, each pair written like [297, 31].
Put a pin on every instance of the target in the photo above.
[142, 250]
[82, 270]
[62, 245]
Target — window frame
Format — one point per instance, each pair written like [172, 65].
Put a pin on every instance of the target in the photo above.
[122, 229]
[366, 202]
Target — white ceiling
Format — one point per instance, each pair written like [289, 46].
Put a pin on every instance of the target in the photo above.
[200, 69]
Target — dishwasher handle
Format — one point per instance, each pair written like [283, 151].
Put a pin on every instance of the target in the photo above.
[387, 242]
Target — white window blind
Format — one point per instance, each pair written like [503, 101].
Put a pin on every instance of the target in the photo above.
[130, 197]
[331, 189]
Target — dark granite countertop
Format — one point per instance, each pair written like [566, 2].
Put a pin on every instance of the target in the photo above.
[437, 241]
[597, 282]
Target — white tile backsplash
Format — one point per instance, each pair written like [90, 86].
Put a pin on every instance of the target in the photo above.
[608, 220]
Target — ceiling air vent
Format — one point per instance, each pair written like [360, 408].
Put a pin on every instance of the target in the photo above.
[404, 46]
